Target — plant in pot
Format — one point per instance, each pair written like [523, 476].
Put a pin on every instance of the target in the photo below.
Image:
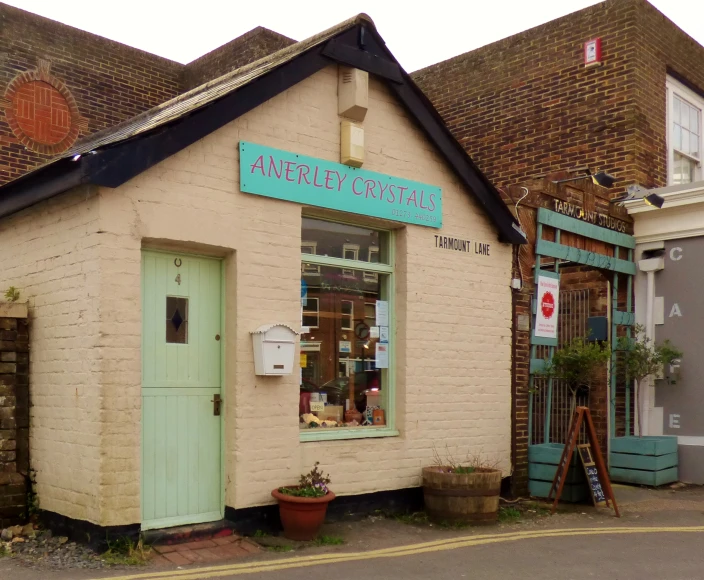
[462, 491]
[641, 359]
[302, 507]
[580, 364]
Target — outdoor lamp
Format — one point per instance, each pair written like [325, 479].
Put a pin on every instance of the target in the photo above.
[651, 199]
[654, 200]
[604, 179]
[601, 178]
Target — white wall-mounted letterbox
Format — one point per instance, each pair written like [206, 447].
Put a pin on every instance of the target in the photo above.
[274, 349]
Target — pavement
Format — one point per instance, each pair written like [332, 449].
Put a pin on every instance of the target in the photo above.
[659, 535]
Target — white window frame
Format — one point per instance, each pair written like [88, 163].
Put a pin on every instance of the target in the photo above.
[371, 276]
[387, 277]
[673, 88]
[310, 269]
[307, 312]
[354, 248]
[351, 315]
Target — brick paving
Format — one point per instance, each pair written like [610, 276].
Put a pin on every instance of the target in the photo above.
[204, 551]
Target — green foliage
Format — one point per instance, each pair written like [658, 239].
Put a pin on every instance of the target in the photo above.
[642, 358]
[12, 294]
[311, 484]
[124, 552]
[260, 534]
[284, 548]
[414, 518]
[578, 363]
[463, 470]
[328, 541]
[3, 550]
[509, 514]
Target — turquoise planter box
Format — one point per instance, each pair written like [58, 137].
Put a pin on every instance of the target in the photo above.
[649, 460]
[542, 464]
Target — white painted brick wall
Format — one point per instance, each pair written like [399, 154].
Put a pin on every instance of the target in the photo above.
[453, 312]
[50, 252]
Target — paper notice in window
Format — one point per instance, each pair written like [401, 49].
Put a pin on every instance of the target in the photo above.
[382, 313]
[374, 332]
[383, 334]
[382, 356]
[317, 407]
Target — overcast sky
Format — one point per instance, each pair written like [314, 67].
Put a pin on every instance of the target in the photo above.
[418, 33]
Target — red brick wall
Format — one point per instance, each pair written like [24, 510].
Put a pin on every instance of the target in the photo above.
[106, 81]
[251, 46]
[110, 82]
[527, 106]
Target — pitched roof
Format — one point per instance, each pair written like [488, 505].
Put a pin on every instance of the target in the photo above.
[112, 157]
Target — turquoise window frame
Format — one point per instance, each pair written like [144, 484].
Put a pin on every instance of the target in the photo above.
[389, 430]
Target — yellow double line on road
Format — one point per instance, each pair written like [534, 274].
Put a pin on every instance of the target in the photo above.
[397, 552]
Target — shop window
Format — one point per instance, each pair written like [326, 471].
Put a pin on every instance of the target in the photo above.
[311, 313]
[309, 269]
[684, 133]
[176, 320]
[344, 370]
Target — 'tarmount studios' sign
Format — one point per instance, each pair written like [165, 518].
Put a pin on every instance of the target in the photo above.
[593, 217]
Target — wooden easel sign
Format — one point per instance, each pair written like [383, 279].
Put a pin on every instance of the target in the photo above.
[592, 460]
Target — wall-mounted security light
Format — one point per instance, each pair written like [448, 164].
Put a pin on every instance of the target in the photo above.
[634, 191]
[654, 200]
[601, 178]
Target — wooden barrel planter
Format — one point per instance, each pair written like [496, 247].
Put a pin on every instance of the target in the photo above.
[471, 498]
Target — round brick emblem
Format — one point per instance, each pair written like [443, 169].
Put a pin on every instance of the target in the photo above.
[41, 111]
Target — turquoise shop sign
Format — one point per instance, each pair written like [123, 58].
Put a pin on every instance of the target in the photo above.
[311, 181]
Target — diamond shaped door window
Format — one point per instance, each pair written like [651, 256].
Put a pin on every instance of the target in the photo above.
[176, 320]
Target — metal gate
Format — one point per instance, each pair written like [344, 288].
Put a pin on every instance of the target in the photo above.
[572, 323]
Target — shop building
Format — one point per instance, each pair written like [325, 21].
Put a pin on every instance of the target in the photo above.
[668, 305]
[616, 87]
[311, 204]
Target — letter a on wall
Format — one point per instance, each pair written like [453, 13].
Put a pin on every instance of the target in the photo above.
[547, 307]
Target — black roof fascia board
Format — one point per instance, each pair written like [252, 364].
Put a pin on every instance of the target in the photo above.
[125, 160]
[117, 163]
[56, 178]
[363, 60]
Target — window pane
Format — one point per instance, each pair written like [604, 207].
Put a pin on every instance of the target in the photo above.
[676, 112]
[694, 144]
[310, 313]
[694, 120]
[342, 240]
[677, 138]
[338, 358]
[176, 320]
[684, 116]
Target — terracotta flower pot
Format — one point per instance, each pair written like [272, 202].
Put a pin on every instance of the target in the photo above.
[302, 517]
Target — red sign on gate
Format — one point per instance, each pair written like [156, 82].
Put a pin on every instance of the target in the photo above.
[547, 311]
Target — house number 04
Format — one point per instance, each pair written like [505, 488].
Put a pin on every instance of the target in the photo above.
[177, 263]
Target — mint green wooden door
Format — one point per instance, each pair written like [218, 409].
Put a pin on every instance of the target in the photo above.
[181, 458]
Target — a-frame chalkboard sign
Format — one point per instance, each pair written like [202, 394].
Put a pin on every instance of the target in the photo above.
[594, 466]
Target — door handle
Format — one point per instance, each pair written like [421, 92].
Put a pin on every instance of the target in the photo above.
[216, 401]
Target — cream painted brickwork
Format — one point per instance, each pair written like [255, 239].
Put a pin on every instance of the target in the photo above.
[453, 309]
[50, 252]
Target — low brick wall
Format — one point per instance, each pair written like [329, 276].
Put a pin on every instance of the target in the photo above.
[14, 412]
